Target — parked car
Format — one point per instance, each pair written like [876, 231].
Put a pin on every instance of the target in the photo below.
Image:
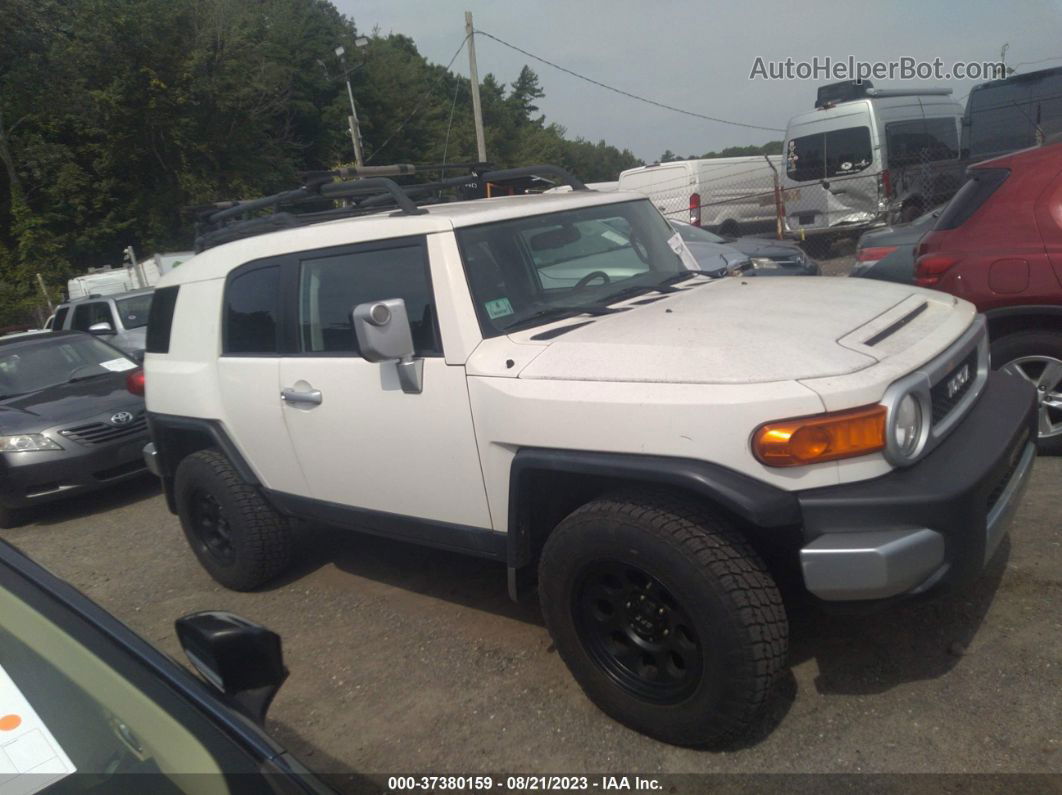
[998, 244]
[118, 319]
[67, 421]
[730, 195]
[856, 164]
[1004, 116]
[84, 696]
[888, 253]
[626, 443]
[751, 256]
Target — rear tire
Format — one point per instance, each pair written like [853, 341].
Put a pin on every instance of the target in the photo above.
[237, 536]
[1036, 356]
[665, 616]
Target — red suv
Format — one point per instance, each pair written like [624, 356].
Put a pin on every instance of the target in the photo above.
[998, 244]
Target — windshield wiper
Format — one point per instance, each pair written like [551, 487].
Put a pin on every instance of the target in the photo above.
[86, 377]
[558, 312]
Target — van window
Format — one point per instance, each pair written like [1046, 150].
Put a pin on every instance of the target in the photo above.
[60, 317]
[836, 153]
[1005, 116]
[920, 141]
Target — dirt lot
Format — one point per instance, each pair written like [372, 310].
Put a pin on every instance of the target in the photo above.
[405, 659]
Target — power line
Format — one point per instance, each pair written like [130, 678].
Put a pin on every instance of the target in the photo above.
[420, 102]
[1042, 60]
[626, 93]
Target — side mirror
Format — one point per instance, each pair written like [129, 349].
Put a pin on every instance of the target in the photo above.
[239, 658]
[384, 334]
[103, 327]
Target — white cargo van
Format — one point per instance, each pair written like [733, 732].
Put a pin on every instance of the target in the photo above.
[730, 195]
[890, 155]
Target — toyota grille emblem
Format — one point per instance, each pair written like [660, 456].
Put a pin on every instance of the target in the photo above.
[121, 418]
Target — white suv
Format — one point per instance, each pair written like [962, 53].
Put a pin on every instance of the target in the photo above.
[541, 380]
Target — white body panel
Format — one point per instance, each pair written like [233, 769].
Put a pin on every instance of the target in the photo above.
[854, 200]
[370, 445]
[739, 190]
[690, 375]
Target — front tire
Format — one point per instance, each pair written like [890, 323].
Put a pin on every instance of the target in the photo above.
[1036, 356]
[237, 536]
[665, 616]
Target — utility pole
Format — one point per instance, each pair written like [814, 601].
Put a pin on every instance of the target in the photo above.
[477, 109]
[352, 119]
[44, 292]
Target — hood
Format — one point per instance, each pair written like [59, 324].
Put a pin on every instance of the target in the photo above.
[716, 258]
[67, 403]
[738, 331]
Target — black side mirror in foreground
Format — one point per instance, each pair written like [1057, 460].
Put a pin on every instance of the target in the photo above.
[241, 659]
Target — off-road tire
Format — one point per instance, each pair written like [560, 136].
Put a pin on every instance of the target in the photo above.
[711, 572]
[261, 539]
[1011, 347]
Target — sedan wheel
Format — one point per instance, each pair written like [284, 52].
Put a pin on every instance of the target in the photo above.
[1044, 373]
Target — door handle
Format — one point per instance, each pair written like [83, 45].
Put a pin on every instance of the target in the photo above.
[289, 395]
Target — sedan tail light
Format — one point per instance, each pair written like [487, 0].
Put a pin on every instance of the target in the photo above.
[930, 267]
[134, 382]
[695, 209]
[874, 253]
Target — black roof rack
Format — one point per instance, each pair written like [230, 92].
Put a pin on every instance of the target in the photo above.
[364, 190]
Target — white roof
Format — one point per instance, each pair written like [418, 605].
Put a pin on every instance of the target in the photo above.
[216, 262]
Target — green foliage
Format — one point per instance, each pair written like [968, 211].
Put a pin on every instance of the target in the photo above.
[769, 148]
[115, 114]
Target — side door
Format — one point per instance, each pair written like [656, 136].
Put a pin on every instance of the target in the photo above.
[371, 453]
[249, 374]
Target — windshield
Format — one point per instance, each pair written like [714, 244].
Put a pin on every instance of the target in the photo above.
[134, 310]
[532, 269]
[694, 234]
[31, 366]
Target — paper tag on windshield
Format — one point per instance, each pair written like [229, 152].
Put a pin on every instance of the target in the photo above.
[675, 241]
[118, 365]
[30, 757]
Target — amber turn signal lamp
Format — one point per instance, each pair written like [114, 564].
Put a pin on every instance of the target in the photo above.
[822, 437]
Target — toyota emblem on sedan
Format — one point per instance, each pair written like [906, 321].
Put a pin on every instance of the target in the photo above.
[121, 418]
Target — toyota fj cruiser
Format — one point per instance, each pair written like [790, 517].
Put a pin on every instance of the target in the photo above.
[544, 381]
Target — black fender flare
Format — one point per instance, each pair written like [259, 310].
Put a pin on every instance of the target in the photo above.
[753, 500]
[167, 428]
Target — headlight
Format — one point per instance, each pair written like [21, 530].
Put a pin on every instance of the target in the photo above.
[907, 424]
[27, 443]
[764, 264]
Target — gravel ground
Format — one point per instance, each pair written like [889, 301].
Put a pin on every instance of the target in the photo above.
[405, 659]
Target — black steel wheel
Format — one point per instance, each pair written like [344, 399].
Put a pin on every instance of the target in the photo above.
[665, 616]
[236, 535]
[633, 627]
[211, 528]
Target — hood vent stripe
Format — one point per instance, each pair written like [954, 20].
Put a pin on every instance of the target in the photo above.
[888, 331]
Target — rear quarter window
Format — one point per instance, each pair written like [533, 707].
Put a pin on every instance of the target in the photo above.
[160, 320]
[252, 312]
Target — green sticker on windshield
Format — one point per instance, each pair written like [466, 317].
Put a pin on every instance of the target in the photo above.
[499, 307]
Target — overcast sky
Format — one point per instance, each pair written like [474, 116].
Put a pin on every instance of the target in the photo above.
[698, 55]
